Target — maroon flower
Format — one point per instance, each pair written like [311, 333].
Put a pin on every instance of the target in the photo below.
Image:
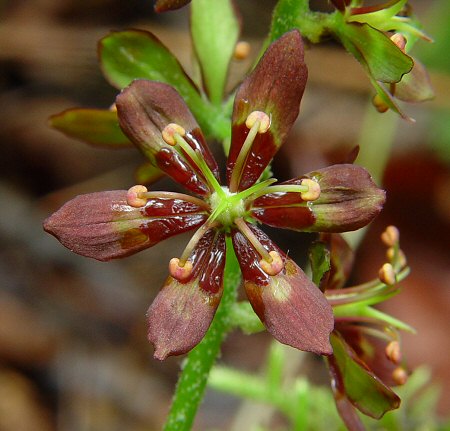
[115, 224]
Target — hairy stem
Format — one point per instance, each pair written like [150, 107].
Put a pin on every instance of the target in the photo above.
[192, 382]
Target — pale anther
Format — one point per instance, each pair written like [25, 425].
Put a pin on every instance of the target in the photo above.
[313, 192]
[400, 376]
[180, 272]
[387, 274]
[393, 352]
[401, 258]
[134, 196]
[274, 267]
[380, 105]
[262, 117]
[242, 50]
[399, 40]
[170, 131]
[390, 236]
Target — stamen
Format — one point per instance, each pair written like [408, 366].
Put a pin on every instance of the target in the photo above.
[178, 271]
[393, 352]
[241, 50]
[271, 262]
[390, 236]
[274, 267]
[135, 198]
[170, 131]
[379, 104]
[387, 274]
[397, 257]
[400, 376]
[183, 262]
[257, 122]
[313, 192]
[260, 118]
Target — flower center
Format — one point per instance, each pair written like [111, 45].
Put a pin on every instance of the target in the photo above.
[226, 207]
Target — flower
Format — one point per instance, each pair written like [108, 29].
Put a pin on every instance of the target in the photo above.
[114, 224]
[366, 359]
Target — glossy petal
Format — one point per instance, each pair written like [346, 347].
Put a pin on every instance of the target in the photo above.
[291, 307]
[98, 127]
[181, 313]
[352, 379]
[349, 200]
[275, 87]
[340, 4]
[214, 43]
[103, 226]
[145, 108]
[166, 5]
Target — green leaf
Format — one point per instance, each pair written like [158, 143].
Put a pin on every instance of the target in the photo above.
[355, 381]
[133, 54]
[383, 60]
[98, 127]
[215, 30]
[319, 258]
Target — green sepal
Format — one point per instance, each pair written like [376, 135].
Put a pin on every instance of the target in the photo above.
[98, 127]
[383, 60]
[355, 381]
[215, 30]
[319, 258]
[138, 54]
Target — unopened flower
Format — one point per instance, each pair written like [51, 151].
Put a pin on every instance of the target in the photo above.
[367, 359]
[115, 224]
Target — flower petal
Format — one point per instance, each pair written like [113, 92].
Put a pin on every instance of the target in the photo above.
[290, 305]
[145, 108]
[181, 313]
[352, 378]
[349, 200]
[103, 226]
[275, 87]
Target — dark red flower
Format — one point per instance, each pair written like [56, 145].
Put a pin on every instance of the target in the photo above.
[154, 117]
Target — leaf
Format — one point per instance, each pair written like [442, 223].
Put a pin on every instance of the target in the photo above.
[383, 60]
[319, 258]
[215, 31]
[94, 126]
[352, 379]
[137, 54]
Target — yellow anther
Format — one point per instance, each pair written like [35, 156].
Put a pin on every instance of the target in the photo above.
[400, 376]
[313, 192]
[180, 272]
[170, 131]
[134, 196]
[113, 108]
[390, 236]
[379, 103]
[273, 267]
[387, 274]
[242, 50]
[393, 352]
[401, 258]
[261, 117]
[399, 40]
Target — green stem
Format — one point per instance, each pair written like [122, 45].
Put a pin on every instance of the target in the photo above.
[192, 382]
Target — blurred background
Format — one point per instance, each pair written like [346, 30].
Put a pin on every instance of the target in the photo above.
[73, 349]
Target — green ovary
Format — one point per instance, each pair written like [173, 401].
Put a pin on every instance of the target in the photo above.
[226, 207]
